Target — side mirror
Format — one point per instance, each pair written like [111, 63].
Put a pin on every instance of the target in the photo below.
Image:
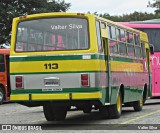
[151, 49]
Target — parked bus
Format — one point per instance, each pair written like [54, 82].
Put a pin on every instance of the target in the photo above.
[152, 28]
[4, 76]
[60, 60]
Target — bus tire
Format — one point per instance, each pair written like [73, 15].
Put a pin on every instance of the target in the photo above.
[87, 109]
[1, 95]
[137, 105]
[48, 112]
[60, 112]
[103, 110]
[116, 110]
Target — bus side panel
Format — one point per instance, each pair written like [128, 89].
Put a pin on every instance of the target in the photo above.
[130, 75]
[155, 60]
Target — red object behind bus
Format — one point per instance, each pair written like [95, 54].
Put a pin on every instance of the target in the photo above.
[4, 76]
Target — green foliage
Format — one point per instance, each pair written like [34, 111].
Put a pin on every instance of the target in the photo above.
[155, 4]
[14, 8]
[136, 16]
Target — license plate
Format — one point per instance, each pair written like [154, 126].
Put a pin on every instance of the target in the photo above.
[52, 81]
[51, 89]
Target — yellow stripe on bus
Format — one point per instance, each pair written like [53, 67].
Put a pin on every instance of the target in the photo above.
[19, 97]
[86, 95]
[71, 65]
[66, 96]
[50, 96]
[126, 66]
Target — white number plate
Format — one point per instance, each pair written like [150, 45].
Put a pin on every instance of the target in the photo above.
[51, 89]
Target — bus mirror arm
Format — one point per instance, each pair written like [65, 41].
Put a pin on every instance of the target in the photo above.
[151, 48]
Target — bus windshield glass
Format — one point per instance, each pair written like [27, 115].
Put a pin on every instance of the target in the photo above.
[52, 34]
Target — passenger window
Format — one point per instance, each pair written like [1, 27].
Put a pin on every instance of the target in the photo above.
[137, 39]
[121, 42]
[2, 65]
[130, 50]
[113, 46]
[109, 31]
[137, 46]
[122, 48]
[143, 50]
[138, 51]
[118, 34]
[130, 37]
[99, 36]
[103, 25]
[112, 40]
[113, 32]
[130, 44]
[123, 37]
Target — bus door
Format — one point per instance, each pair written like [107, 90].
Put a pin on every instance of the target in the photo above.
[108, 67]
[156, 75]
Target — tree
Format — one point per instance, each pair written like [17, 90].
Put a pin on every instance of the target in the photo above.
[135, 16]
[155, 4]
[14, 8]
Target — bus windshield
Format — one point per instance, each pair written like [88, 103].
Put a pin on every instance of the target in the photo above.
[153, 37]
[52, 34]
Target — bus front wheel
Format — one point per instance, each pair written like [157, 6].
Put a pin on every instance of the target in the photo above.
[48, 112]
[103, 110]
[60, 112]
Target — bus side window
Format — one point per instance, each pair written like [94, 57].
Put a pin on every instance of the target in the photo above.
[98, 29]
[112, 40]
[143, 50]
[130, 44]
[2, 65]
[122, 43]
[137, 46]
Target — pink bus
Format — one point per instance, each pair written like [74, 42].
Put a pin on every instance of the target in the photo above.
[152, 28]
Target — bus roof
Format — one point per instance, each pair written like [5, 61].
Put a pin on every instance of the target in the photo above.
[4, 51]
[153, 23]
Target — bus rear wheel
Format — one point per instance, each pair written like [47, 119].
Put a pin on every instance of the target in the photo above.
[137, 105]
[104, 112]
[60, 112]
[112, 111]
[116, 110]
[87, 109]
[48, 112]
[1, 96]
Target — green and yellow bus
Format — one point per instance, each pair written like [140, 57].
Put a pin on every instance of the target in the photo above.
[65, 60]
